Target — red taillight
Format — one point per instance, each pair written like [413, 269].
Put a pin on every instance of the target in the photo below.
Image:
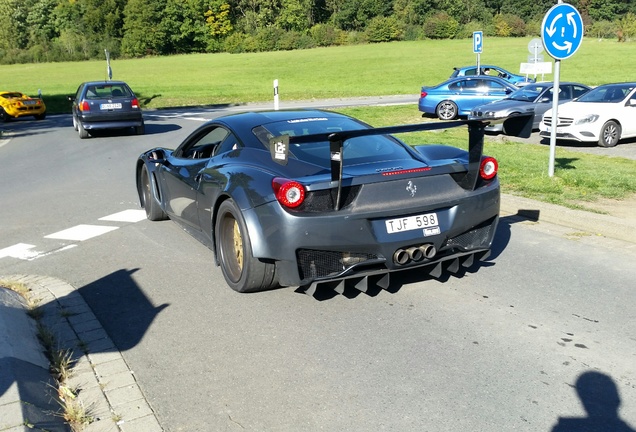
[488, 168]
[84, 106]
[423, 94]
[135, 103]
[289, 193]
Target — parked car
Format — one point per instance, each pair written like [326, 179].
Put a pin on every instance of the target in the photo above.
[15, 104]
[458, 96]
[604, 115]
[313, 198]
[518, 80]
[99, 105]
[534, 98]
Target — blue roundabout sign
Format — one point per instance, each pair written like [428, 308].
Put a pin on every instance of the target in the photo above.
[562, 31]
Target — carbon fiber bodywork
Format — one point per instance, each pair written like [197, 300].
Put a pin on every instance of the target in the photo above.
[358, 222]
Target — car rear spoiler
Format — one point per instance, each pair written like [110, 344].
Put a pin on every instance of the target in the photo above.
[517, 125]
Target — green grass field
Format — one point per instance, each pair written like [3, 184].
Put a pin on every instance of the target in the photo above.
[359, 70]
[365, 70]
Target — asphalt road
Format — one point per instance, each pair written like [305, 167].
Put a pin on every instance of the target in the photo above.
[516, 343]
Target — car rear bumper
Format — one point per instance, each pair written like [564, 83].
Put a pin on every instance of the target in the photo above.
[104, 122]
[309, 250]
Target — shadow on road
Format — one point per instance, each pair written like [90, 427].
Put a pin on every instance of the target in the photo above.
[600, 398]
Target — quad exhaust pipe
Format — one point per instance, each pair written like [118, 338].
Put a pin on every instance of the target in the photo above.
[414, 253]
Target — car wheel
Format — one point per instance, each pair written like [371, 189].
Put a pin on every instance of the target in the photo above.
[610, 134]
[446, 110]
[83, 133]
[149, 202]
[242, 272]
[3, 114]
[74, 123]
[40, 116]
[140, 130]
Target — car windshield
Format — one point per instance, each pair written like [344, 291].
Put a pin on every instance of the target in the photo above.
[611, 93]
[527, 93]
[356, 150]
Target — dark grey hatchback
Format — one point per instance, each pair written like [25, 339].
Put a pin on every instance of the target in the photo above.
[99, 105]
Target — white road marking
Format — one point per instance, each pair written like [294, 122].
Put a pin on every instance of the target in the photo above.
[81, 232]
[126, 216]
[21, 251]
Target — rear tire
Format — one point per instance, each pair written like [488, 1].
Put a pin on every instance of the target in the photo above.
[242, 272]
[446, 110]
[4, 116]
[140, 130]
[40, 116]
[83, 133]
[149, 202]
[610, 134]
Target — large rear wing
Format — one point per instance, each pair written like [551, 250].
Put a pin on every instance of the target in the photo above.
[518, 125]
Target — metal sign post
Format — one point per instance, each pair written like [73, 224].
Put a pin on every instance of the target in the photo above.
[276, 95]
[562, 33]
[109, 71]
[478, 47]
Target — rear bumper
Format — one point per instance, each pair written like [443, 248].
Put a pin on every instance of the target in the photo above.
[310, 250]
[112, 122]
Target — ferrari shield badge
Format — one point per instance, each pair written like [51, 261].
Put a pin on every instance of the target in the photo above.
[279, 148]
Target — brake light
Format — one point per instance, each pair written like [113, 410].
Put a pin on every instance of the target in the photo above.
[84, 106]
[135, 103]
[289, 193]
[423, 94]
[488, 168]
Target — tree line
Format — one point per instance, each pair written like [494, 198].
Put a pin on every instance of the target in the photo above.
[71, 30]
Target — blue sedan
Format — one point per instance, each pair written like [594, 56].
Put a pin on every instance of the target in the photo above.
[518, 80]
[458, 96]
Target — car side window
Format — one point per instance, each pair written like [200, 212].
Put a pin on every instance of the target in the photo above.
[495, 86]
[578, 91]
[229, 143]
[204, 145]
[470, 72]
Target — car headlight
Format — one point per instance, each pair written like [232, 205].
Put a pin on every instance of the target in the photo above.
[591, 118]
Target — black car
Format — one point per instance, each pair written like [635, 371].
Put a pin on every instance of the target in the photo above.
[99, 105]
[313, 198]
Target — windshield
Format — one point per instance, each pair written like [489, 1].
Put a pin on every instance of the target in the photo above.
[610, 93]
[356, 150]
[527, 93]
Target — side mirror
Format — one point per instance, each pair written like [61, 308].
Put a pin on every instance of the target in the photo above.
[632, 102]
[545, 99]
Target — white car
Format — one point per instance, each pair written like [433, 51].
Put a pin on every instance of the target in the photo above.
[605, 114]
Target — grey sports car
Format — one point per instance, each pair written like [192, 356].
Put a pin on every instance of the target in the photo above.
[312, 198]
[533, 98]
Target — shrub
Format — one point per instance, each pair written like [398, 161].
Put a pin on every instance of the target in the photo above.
[292, 40]
[441, 26]
[383, 29]
[324, 34]
[268, 39]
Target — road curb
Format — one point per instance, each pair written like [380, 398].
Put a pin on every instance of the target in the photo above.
[108, 388]
[593, 223]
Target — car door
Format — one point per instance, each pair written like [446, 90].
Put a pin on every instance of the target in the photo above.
[627, 114]
[468, 94]
[181, 173]
[490, 90]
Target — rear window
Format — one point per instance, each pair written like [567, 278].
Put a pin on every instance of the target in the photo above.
[107, 91]
[356, 150]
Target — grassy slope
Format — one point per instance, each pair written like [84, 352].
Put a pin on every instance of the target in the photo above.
[364, 70]
[360, 70]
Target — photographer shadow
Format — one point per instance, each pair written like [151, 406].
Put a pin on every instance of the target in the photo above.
[600, 398]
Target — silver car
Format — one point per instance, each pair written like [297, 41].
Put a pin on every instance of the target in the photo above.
[536, 97]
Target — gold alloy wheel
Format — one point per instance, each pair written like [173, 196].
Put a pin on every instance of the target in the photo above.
[238, 244]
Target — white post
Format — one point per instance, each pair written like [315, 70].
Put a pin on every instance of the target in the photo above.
[276, 94]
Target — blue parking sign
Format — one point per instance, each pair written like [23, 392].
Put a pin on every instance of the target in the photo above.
[562, 31]
[478, 42]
